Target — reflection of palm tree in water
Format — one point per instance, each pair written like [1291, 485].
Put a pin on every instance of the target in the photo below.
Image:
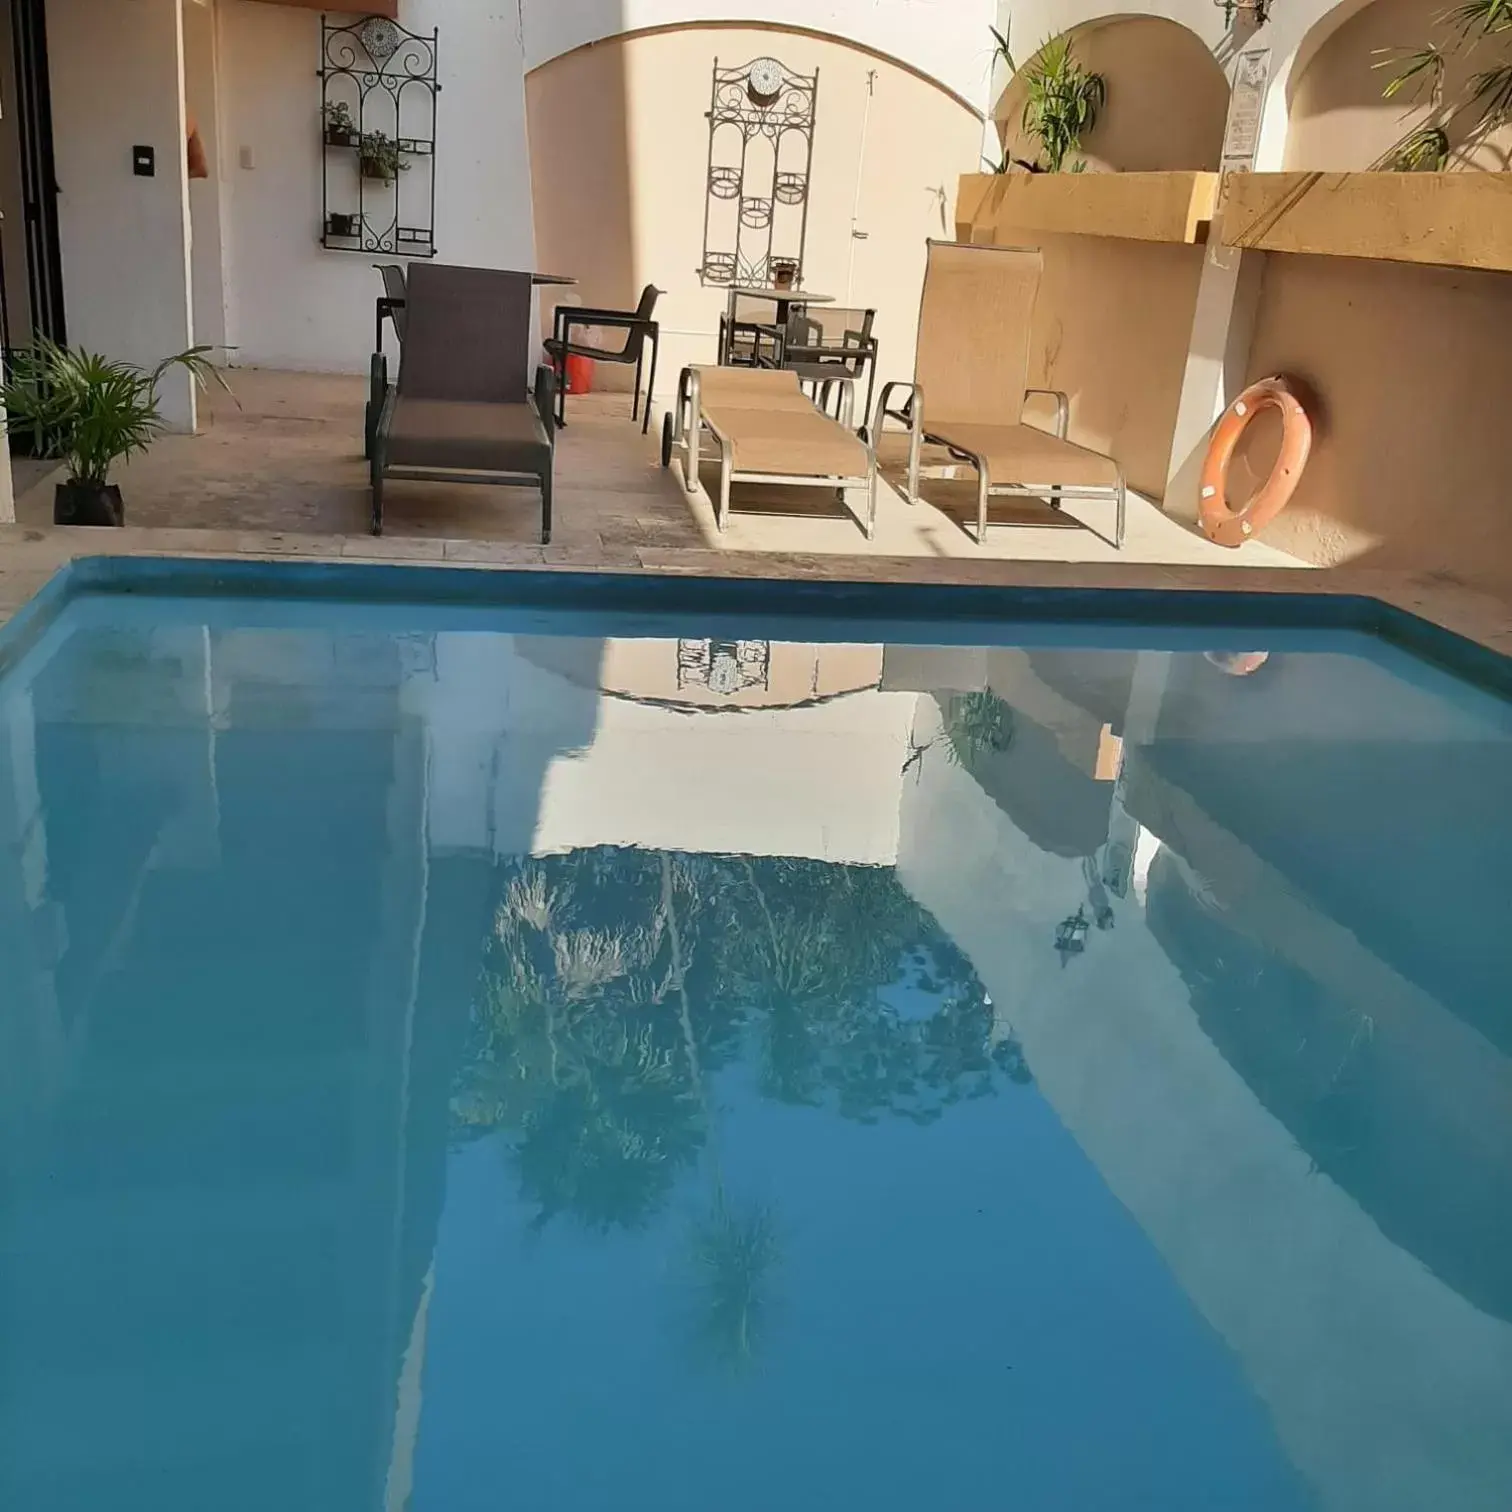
[848, 995]
[734, 1249]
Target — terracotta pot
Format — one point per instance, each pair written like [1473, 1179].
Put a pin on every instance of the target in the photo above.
[78, 503]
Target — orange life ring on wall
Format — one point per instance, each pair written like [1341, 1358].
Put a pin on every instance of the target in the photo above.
[1229, 527]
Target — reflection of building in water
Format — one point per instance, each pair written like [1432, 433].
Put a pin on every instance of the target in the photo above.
[260, 921]
[1320, 1155]
[809, 766]
[709, 673]
[235, 988]
[723, 666]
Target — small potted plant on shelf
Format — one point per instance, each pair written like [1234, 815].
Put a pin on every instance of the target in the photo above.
[90, 413]
[340, 223]
[340, 128]
[381, 157]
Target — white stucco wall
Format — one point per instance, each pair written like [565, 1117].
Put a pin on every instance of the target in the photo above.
[201, 97]
[947, 40]
[524, 760]
[291, 303]
[116, 71]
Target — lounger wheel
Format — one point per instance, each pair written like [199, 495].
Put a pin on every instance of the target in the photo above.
[666, 446]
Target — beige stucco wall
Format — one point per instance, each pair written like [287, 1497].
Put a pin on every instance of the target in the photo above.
[1339, 120]
[1167, 98]
[619, 157]
[1409, 366]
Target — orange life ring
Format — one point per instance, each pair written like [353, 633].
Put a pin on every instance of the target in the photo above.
[1229, 527]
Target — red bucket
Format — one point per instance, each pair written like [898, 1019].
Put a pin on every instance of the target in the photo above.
[579, 375]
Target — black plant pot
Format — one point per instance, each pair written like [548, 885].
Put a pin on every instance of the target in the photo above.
[76, 503]
[343, 225]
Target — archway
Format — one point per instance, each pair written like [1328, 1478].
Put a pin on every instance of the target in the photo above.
[1166, 105]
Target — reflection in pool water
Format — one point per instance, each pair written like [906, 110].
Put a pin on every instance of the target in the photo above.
[449, 1070]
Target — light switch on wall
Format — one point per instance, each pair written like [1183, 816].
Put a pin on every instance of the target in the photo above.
[247, 158]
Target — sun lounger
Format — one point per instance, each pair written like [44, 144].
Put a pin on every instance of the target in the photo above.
[460, 411]
[764, 429]
[971, 372]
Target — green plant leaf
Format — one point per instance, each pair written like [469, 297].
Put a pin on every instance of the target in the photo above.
[1486, 17]
[1416, 70]
[87, 410]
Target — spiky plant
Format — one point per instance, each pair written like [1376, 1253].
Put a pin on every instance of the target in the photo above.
[1064, 100]
[1419, 75]
[87, 410]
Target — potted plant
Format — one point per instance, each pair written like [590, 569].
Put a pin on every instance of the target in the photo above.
[381, 157]
[91, 413]
[1063, 104]
[340, 128]
[340, 223]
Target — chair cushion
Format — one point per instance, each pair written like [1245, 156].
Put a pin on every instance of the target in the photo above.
[466, 435]
[801, 442]
[1024, 454]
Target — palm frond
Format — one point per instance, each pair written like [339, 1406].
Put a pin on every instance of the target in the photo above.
[1417, 70]
[1480, 17]
[1423, 150]
[1491, 89]
[1002, 47]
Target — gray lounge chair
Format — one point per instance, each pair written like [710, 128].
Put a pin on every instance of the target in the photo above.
[390, 308]
[461, 411]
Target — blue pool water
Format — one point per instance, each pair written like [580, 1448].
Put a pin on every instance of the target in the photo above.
[583, 1060]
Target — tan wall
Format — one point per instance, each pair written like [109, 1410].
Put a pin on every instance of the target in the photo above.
[1411, 453]
[1120, 360]
[1167, 99]
[1338, 119]
[619, 157]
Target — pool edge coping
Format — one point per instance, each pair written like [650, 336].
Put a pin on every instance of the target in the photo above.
[1463, 630]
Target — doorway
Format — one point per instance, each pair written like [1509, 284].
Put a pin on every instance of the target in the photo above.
[31, 263]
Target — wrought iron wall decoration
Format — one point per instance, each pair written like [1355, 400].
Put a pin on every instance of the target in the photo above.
[378, 129]
[761, 155]
[724, 666]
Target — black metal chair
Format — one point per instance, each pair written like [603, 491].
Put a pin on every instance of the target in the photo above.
[748, 336]
[639, 328]
[827, 346]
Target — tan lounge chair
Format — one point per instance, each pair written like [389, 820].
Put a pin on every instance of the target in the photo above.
[971, 371]
[461, 412]
[766, 430]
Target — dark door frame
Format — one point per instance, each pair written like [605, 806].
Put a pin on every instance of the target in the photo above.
[39, 184]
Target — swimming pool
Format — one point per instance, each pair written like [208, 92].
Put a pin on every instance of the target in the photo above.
[588, 1044]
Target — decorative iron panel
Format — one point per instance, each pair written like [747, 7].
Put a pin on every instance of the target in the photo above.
[378, 129]
[761, 157]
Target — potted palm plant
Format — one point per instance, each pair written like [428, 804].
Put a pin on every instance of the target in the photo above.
[1064, 100]
[91, 413]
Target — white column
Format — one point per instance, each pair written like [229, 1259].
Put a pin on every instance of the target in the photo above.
[7, 485]
[1223, 324]
[117, 74]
